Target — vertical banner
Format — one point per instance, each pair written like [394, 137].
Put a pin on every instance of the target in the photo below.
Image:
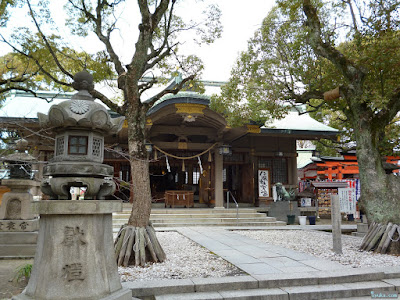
[263, 183]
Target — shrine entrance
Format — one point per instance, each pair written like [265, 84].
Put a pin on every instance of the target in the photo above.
[173, 178]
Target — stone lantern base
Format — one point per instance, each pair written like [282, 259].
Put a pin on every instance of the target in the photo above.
[18, 224]
[75, 255]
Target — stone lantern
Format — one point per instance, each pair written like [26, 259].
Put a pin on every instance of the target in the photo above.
[80, 125]
[18, 223]
[19, 163]
[75, 254]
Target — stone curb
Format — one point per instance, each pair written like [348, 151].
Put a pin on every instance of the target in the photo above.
[342, 278]
[331, 291]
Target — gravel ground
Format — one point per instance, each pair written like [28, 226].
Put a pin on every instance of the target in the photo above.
[185, 259]
[319, 244]
[190, 260]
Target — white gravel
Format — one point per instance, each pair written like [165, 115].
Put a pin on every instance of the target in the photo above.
[319, 244]
[185, 259]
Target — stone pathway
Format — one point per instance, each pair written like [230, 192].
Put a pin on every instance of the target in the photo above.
[256, 257]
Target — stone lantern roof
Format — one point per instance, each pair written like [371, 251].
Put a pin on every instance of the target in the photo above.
[81, 110]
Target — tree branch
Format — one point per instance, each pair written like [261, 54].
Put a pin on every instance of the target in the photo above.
[324, 49]
[40, 66]
[306, 96]
[391, 109]
[105, 39]
[59, 65]
[174, 90]
[113, 106]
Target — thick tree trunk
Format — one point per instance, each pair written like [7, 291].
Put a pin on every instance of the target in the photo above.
[380, 200]
[136, 243]
[379, 191]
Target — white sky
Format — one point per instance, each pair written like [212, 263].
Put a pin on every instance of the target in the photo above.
[239, 18]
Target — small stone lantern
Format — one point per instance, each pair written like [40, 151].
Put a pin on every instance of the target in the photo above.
[18, 223]
[80, 125]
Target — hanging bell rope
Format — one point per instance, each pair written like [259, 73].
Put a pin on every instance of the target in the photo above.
[185, 157]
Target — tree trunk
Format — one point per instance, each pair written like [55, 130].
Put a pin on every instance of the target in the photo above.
[140, 244]
[379, 191]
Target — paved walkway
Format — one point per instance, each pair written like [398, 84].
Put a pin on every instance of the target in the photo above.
[256, 257]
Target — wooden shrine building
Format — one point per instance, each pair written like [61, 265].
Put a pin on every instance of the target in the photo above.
[191, 148]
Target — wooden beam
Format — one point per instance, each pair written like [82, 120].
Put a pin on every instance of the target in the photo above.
[182, 130]
[189, 146]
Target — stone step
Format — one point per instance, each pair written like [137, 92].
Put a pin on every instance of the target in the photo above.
[183, 216]
[251, 224]
[12, 251]
[194, 211]
[202, 217]
[329, 285]
[7, 238]
[243, 224]
[204, 220]
[333, 291]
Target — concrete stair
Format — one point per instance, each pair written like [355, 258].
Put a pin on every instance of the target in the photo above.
[201, 217]
[346, 284]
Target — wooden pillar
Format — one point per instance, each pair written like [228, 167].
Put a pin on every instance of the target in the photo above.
[254, 180]
[189, 169]
[330, 173]
[219, 186]
[340, 174]
[292, 171]
[40, 157]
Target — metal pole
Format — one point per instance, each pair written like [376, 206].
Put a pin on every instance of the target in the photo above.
[227, 199]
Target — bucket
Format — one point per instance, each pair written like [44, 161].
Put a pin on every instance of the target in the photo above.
[302, 220]
[311, 219]
[290, 219]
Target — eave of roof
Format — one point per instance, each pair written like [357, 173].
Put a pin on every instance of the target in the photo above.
[299, 124]
[299, 132]
[329, 184]
[181, 97]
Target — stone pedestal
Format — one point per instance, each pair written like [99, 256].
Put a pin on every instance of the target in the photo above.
[18, 223]
[281, 209]
[75, 255]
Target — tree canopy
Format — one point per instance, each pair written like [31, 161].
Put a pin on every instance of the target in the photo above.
[338, 56]
[281, 64]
